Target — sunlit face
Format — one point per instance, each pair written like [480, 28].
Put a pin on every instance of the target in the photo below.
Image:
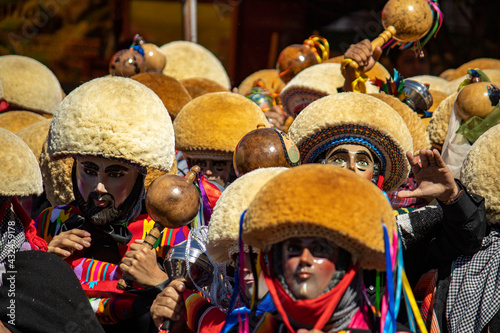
[98, 176]
[214, 170]
[308, 265]
[353, 157]
[409, 64]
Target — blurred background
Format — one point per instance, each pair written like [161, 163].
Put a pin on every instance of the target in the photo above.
[77, 38]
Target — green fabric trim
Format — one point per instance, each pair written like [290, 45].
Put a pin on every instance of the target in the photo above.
[470, 74]
[473, 128]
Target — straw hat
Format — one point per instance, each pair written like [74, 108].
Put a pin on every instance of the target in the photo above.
[480, 63]
[203, 83]
[210, 126]
[324, 201]
[492, 74]
[114, 117]
[29, 85]
[313, 83]
[197, 86]
[438, 125]
[171, 92]
[17, 120]
[481, 172]
[35, 135]
[434, 82]
[415, 124]
[358, 119]
[187, 59]
[19, 174]
[437, 97]
[224, 228]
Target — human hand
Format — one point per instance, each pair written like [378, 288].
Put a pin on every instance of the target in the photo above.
[276, 118]
[434, 178]
[303, 330]
[169, 304]
[364, 56]
[139, 264]
[68, 242]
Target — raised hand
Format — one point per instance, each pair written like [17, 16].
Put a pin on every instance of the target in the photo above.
[68, 242]
[434, 178]
[363, 55]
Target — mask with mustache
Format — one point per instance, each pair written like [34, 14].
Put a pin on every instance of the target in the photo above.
[101, 216]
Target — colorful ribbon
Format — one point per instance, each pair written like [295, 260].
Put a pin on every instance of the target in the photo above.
[359, 83]
[317, 42]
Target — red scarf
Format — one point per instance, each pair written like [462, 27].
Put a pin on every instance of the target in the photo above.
[310, 311]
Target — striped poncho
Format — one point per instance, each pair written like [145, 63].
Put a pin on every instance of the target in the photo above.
[98, 278]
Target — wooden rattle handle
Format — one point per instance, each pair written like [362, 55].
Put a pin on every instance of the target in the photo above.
[149, 242]
[192, 174]
[383, 37]
[153, 236]
[379, 41]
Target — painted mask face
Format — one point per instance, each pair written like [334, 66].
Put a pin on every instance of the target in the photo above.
[104, 182]
[308, 265]
[214, 170]
[354, 157]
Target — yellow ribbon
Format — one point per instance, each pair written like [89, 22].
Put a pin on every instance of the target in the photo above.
[413, 304]
[258, 270]
[321, 43]
[359, 83]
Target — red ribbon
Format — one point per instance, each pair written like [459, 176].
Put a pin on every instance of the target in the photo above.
[310, 311]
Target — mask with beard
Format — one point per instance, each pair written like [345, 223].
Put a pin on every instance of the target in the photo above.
[98, 216]
[106, 224]
[101, 216]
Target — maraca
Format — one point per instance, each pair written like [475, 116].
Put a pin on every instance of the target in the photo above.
[127, 62]
[153, 56]
[264, 148]
[140, 57]
[172, 202]
[408, 21]
[297, 57]
[411, 19]
[477, 99]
